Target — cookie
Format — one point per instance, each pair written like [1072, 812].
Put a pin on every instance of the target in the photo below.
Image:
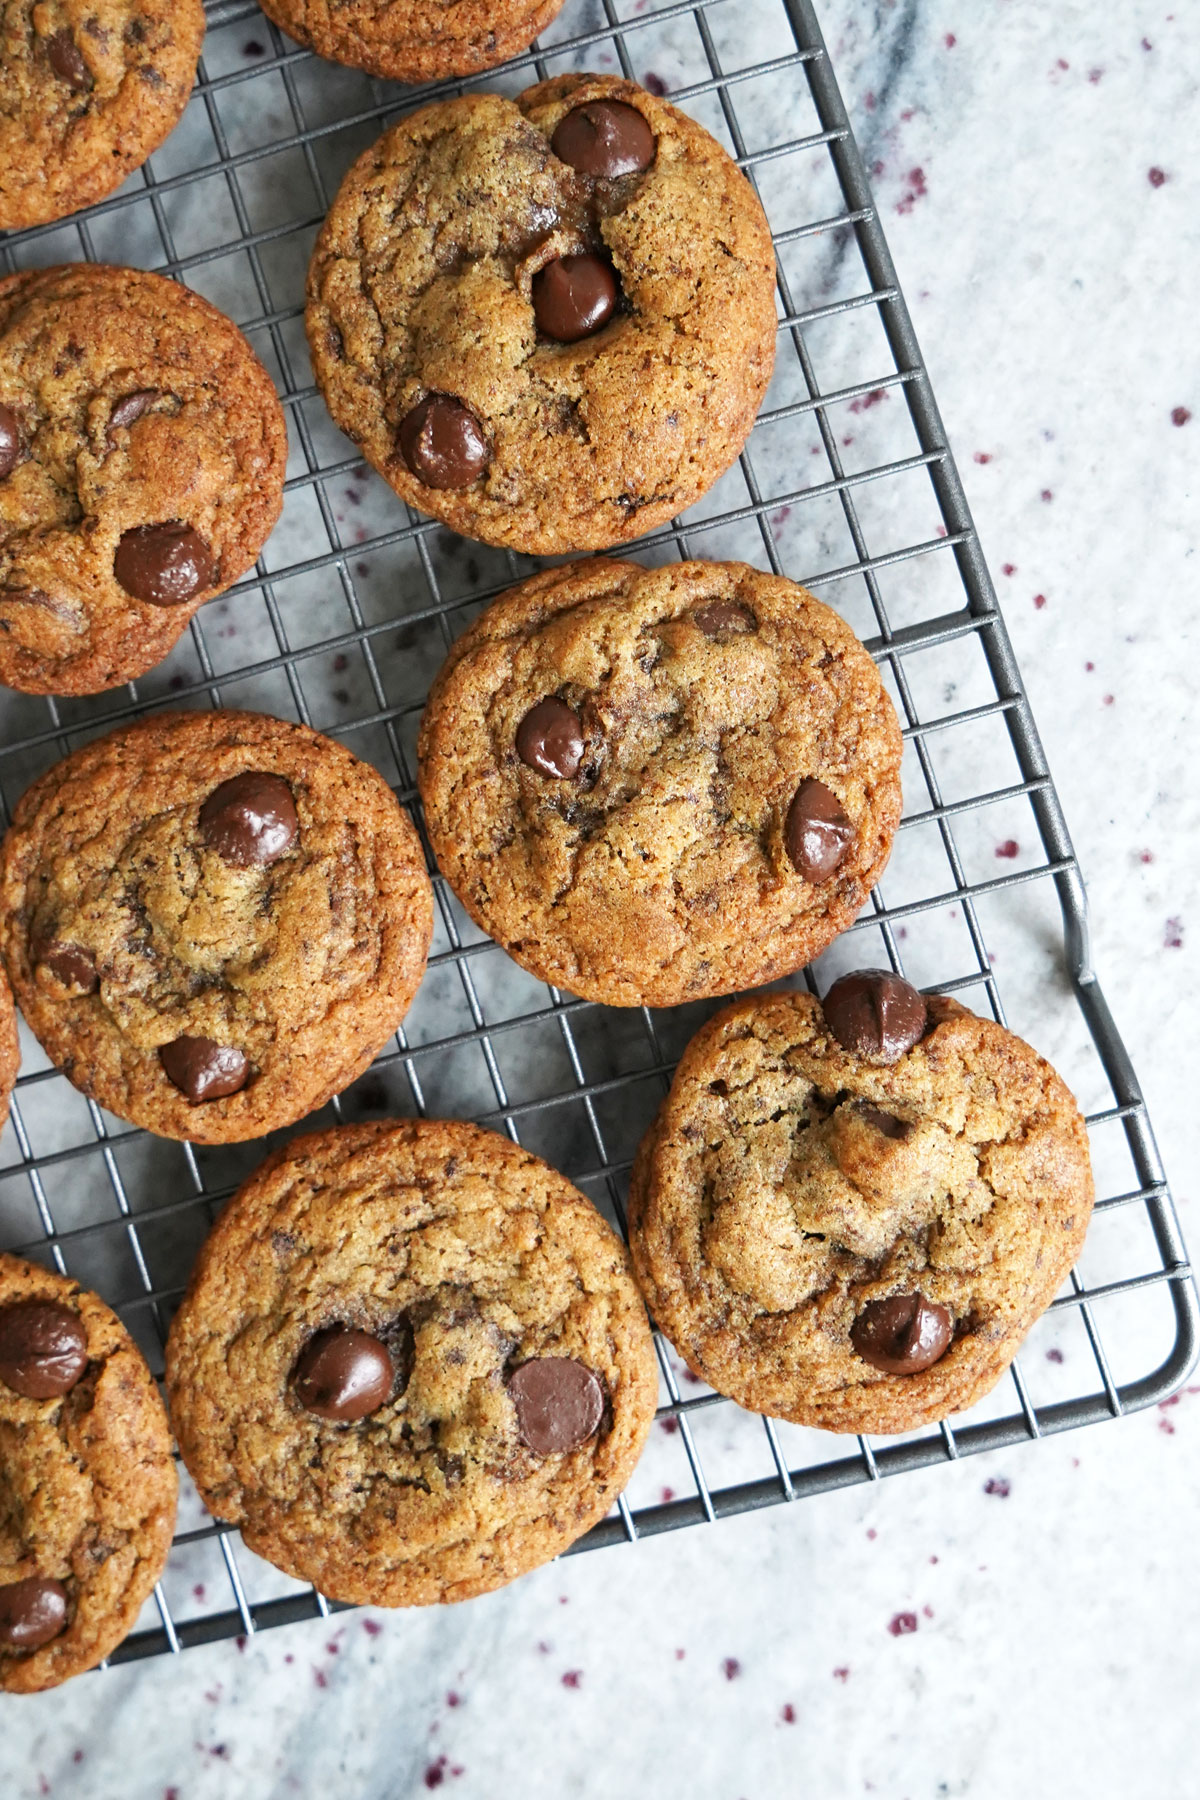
[848, 1214]
[213, 921]
[142, 454]
[655, 785]
[548, 321]
[411, 1363]
[414, 40]
[10, 1052]
[87, 1475]
[88, 88]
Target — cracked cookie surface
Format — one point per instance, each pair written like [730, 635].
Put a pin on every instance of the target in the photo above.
[87, 1487]
[424, 283]
[470, 1260]
[703, 696]
[88, 88]
[134, 935]
[788, 1185]
[414, 40]
[142, 455]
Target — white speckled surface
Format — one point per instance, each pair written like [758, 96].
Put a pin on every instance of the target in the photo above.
[1057, 1646]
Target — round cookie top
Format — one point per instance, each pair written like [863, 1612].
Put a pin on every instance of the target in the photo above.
[414, 40]
[88, 88]
[654, 785]
[142, 454]
[87, 1475]
[547, 321]
[849, 1215]
[213, 921]
[411, 1363]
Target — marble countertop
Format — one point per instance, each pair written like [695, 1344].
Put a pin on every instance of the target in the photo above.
[1037, 179]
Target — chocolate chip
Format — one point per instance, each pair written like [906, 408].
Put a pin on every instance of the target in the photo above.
[443, 444]
[550, 739]
[559, 1403]
[10, 441]
[71, 964]
[902, 1335]
[875, 1014]
[886, 1123]
[724, 615]
[127, 411]
[817, 833]
[250, 820]
[343, 1374]
[574, 296]
[31, 1612]
[202, 1069]
[605, 138]
[165, 564]
[43, 1348]
[66, 59]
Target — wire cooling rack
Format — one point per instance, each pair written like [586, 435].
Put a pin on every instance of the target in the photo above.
[847, 485]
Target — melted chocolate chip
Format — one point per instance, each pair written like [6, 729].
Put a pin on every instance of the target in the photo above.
[724, 615]
[10, 441]
[71, 964]
[550, 739]
[66, 59]
[31, 1612]
[902, 1335]
[604, 138]
[817, 833]
[203, 1070]
[43, 1348]
[250, 820]
[574, 296]
[443, 444]
[559, 1403]
[886, 1123]
[343, 1374]
[875, 1014]
[165, 565]
[126, 412]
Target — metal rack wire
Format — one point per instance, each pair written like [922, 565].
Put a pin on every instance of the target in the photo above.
[349, 613]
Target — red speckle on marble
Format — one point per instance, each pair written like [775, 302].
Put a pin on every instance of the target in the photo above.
[1062, 64]
[1173, 935]
[77, 1756]
[927, 1611]
[545, 1647]
[198, 1591]
[453, 1699]
[983, 456]
[781, 515]
[872, 1534]
[372, 1627]
[1180, 415]
[670, 1424]
[1039, 600]
[941, 531]
[877, 167]
[212, 1695]
[869, 102]
[1089, 666]
[788, 1714]
[917, 187]
[900, 1624]
[655, 84]
[1009, 568]
[842, 1674]
[1146, 44]
[1054, 1356]
[171, 1793]
[668, 1493]
[562, 1599]
[320, 1678]
[846, 442]
[679, 1655]
[289, 1658]
[1108, 699]
[1095, 76]
[731, 1668]
[341, 661]
[865, 401]
[1156, 177]
[933, 1559]
[435, 1774]
[998, 1486]
[1008, 849]
[1047, 495]
[43, 1785]
[572, 1678]
[910, 112]
[950, 40]
[1145, 856]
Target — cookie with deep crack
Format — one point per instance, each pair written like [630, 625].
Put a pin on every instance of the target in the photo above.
[548, 321]
[87, 1475]
[849, 1213]
[414, 40]
[658, 785]
[88, 88]
[411, 1363]
[213, 921]
[142, 455]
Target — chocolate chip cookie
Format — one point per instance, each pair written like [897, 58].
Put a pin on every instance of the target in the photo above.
[10, 1053]
[414, 40]
[411, 1363]
[142, 453]
[88, 88]
[654, 785]
[87, 1476]
[547, 321]
[213, 921]
[849, 1213]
